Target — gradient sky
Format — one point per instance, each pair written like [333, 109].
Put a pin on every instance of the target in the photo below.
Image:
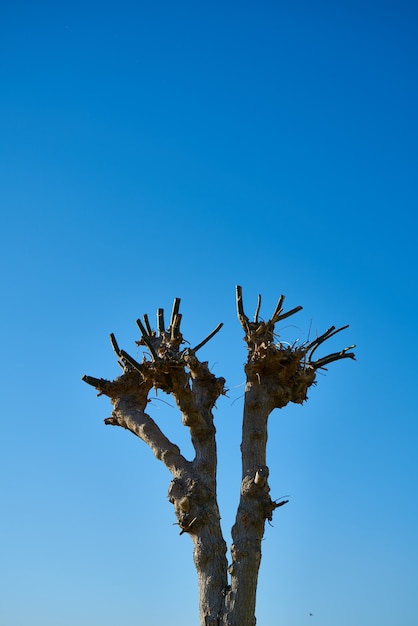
[150, 150]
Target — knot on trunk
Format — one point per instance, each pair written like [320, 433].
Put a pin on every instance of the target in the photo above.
[261, 476]
[190, 500]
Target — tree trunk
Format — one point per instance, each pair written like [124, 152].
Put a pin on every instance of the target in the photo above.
[254, 507]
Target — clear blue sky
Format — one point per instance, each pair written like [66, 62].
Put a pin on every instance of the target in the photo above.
[150, 150]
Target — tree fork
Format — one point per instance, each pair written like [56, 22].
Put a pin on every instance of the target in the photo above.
[276, 374]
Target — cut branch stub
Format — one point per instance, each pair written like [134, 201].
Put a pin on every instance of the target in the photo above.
[174, 311]
[131, 384]
[175, 328]
[244, 321]
[149, 330]
[114, 344]
[160, 321]
[121, 362]
[94, 382]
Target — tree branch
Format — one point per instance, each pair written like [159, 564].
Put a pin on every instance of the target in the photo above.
[326, 335]
[208, 338]
[336, 356]
[143, 426]
[288, 314]
[278, 309]
[278, 315]
[129, 359]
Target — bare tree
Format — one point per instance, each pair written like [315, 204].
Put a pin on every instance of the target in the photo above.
[276, 374]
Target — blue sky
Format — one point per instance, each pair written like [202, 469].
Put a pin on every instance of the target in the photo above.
[155, 150]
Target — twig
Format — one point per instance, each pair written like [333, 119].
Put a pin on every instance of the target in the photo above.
[330, 332]
[336, 356]
[186, 528]
[257, 311]
[278, 309]
[147, 339]
[283, 316]
[277, 504]
[320, 339]
[131, 360]
[208, 338]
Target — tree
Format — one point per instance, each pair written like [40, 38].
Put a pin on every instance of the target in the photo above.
[276, 374]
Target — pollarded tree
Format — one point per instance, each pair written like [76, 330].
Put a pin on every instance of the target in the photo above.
[276, 374]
